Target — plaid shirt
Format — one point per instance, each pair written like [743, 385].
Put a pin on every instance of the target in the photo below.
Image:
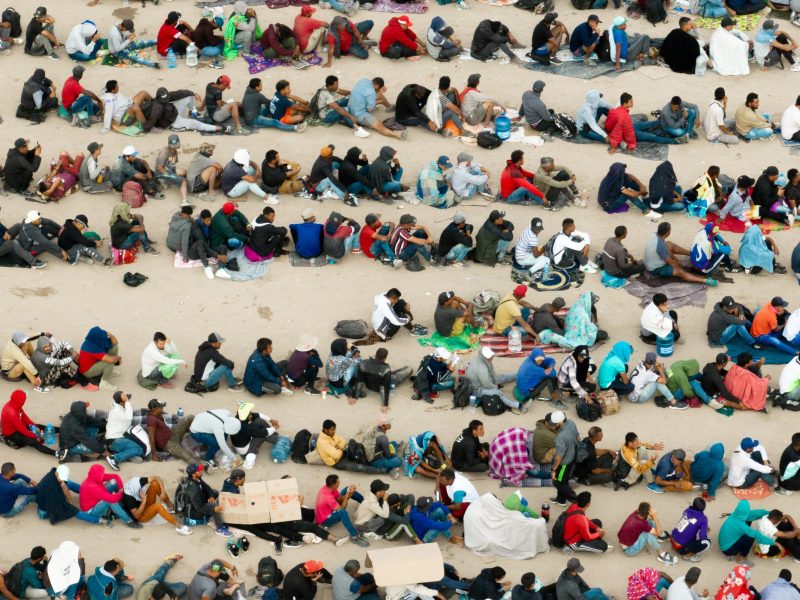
[508, 455]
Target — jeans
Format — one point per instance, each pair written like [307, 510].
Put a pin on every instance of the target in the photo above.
[645, 540]
[642, 131]
[21, 502]
[443, 385]
[340, 516]
[432, 534]
[457, 252]
[532, 265]
[83, 57]
[130, 53]
[91, 432]
[678, 131]
[412, 249]
[753, 476]
[207, 439]
[351, 243]
[775, 341]
[84, 103]
[388, 462]
[715, 12]
[649, 391]
[731, 331]
[179, 589]
[125, 449]
[218, 373]
[380, 248]
[101, 510]
[211, 51]
[234, 243]
[521, 194]
[393, 187]
[241, 188]
[595, 594]
[262, 122]
[755, 134]
[327, 184]
[132, 238]
[333, 117]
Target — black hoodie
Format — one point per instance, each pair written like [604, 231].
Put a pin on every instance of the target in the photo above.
[323, 168]
[381, 171]
[73, 429]
[488, 31]
[71, 236]
[206, 352]
[485, 587]
[262, 239]
[409, 106]
[19, 169]
[348, 169]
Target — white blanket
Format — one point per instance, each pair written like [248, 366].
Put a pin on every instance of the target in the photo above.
[728, 50]
[491, 530]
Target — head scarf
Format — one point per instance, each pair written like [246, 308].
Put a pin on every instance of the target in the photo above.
[662, 185]
[611, 185]
[753, 251]
[579, 330]
[736, 585]
[97, 341]
[643, 583]
[581, 368]
[120, 211]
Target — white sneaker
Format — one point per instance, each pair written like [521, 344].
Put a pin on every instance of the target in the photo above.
[653, 215]
[587, 269]
[222, 274]
[363, 133]
[301, 127]
[249, 461]
[371, 535]
[209, 272]
[790, 217]
[342, 541]
[592, 264]
[272, 200]
[41, 389]
[104, 385]
[286, 391]
[397, 263]
[185, 530]
[796, 66]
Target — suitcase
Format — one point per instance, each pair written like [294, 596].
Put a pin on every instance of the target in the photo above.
[609, 403]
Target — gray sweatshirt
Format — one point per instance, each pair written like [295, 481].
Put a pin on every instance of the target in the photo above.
[534, 109]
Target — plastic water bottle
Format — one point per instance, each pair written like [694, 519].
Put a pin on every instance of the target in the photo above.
[191, 55]
[49, 434]
[393, 389]
[545, 272]
[473, 403]
[179, 412]
[502, 127]
[172, 60]
[545, 512]
[281, 450]
[515, 340]
[33, 429]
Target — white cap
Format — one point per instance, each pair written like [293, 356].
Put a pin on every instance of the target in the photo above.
[557, 417]
[33, 215]
[63, 472]
[487, 352]
[442, 353]
[308, 213]
[241, 157]
[129, 151]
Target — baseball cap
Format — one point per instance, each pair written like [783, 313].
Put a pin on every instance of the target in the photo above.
[372, 218]
[312, 566]
[424, 502]
[745, 181]
[307, 10]
[33, 215]
[573, 564]
[93, 147]
[378, 486]
[408, 219]
[405, 21]
[225, 80]
[459, 217]
[82, 219]
[558, 302]
[537, 224]
[496, 214]
[192, 469]
[650, 357]
[228, 208]
[594, 18]
[443, 353]
[241, 157]
[207, 149]
[520, 291]
[40, 12]
[20, 142]
[748, 443]
[487, 352]
[679, 453]
[769, 24]
[445, 296]
[727, 22]
[129, 151]
[215, 338]
[727, 302]
[128, 25]
[584, 352]
[173, 15]
[174, 141]
[308, 213]
[118, 396]
[557, 417]
[162, 94]
[444, 161]
[778, 301]
[155, 403]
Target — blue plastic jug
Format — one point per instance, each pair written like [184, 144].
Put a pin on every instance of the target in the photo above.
[665, 346]
[281, 450]
[49, 435]
[172, 60]
[502, 127]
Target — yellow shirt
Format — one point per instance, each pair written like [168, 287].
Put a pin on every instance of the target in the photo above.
[506, 314]
[330, 449]
[631, 456]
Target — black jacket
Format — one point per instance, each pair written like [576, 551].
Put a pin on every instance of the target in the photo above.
[255, 428]
[323, 168]
[19, 169]
[465, 450]
[488, 31]
[377, 376]
[51, 499]
[73, 429]
[273, 177]
[263, 238]
[205, 353]
[381, 171]
[452, 236]
[71, 236]
[713, 382]
[162, 114]
[297, 586]
[484, 587]
[198, 493]
[348, 168]
[408, 105]
[486, 241]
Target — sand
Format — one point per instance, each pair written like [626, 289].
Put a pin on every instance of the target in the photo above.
[290, 302]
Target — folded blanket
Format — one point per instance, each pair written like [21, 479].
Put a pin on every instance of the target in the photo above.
[468, 340]
[410, 8]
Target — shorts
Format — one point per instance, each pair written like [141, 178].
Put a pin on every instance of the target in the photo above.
[287, 118]
[368, 120]
[199, 185]
[663, 271]
[477, 116]
[222, 114]
[458, 327]
[127, 119]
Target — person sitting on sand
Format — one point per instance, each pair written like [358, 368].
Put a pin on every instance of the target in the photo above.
[517, 184]
[660, 258]
[621, 128]
[477, 107]
[622, 47]
[38, 96]
[548, 36]
[682, 49]
[62, 179]
[489, 37]
[160, 360]
[690, 535]
[229, 227]
[99, 353]
[398, 40]
[536, 378]
[79, 246]
[303, 365]
[441, 42]
[119, 111]
[584, 39]
[279, 42]
[737, 534]
[493, 239]
[729, 50]
[749, 463]
[588, 117]
[485, 381]
[122, 44]
[344, 37]
[767, 328]
[431, 519]
[613, 371]
[642, 529]
[617, 261]
[452, 314]
[174, 34]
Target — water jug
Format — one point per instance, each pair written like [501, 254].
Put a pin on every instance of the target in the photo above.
[49, 434]
[502, 127]
[191, 55]
[515, 340]
[172, 60]
[281, 449]
[473, 403]
[179, 412]
[665, 346]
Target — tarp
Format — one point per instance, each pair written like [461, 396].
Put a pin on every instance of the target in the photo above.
[492, 530]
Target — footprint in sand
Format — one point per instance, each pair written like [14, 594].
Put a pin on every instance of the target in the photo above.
[265, 312]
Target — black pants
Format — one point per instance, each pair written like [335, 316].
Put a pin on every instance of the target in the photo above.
[489, 49]
[791, 545]
[21, 257]
[622, 389]
[774, 56]
[553, 193]
[561, 483]
[597, 546]
[650, 338]
[21, 440]
[201, 251]
[307, 377]
[603, 462]
[179, 47]
[398, 50]
[792, 483]
[631, 270]
[547, 384]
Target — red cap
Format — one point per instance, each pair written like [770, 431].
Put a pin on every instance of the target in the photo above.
[228, 208]
[307, 10]
[224, 79]
[519, 291]
[312, 566]
[404, 20]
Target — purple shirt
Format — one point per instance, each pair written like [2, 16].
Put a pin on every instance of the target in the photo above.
[692, 526]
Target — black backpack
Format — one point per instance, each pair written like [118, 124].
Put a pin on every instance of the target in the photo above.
[603, 48]
[357, 453]
[581, 4]
[488, 140]
[621, 472]
[566, 125]
[420, 381]
[181, 503]
[353, 329]
[268, 573]
[655, 11]
[557, 535]
[588, 411]
[301, 445]
[12, 16]
[492, 405]
[462, 393]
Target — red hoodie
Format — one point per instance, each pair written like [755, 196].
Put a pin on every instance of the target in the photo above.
[13, 418]
[620, 128]
[578, 528]
[514, 177]
[94, 490]
[392, 33]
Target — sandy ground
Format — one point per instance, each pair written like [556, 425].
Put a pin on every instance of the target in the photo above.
[290, 302]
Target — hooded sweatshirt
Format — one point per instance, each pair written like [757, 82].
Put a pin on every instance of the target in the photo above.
[207, 359]
[263, 235]
[718, 322]
[487, 32]
[349, 168]
[587, 113]
[481, 374]
[534, 109]
[19, 169]
[78, 36]
[71, 236]
[93, 489]
[735, 526]
[514, 177]
[614, 363]
[393, 33]
[693, 525]
[530, 373]
[179, 234]
[381, 171]
[708, 467]
[219, 423]
[60, 355]
[678, 376]
[74, 427]
[486, 241]
[13, 418]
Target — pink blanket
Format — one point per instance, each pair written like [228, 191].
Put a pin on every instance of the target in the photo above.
[748, 387]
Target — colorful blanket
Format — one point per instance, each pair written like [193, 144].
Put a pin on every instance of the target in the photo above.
[734, 225]
[679, 293]
[748, 387]
[759, 491]
[466, 342]
[499, 342]
[256, 62]
[411, 8]
[743, 22]
[498, 2]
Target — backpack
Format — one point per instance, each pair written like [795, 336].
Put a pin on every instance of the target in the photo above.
[313, 104]
[588, 411]
[181, 503]
[138, 435]
[461, 393]
[655, 11]
[133, 194]
[557, 535]
[603, 48]
[356, 453]
[268, 573]
[488, 140]
[420, 381]
[301, 445]
[195, 387]
[14, 579]
[566, 125]
[548, 249]
[492, 405]
[485, 301]
[785, 403]
[621, 472]
[12, 16]
[353, 329]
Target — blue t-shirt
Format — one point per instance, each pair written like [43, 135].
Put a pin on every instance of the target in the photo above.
[582, 36]
[362, 98]
[665, 469]
[621, 41]
[307, 239]
[279, 105]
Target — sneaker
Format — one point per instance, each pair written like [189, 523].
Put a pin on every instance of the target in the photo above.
[278, 545]
[311, 390]
[209, 272]
[244, 543]
[211, 465]
[459, 265]
[90, 387]
[395, 473]
[308, 538]
[272, 200]
[555, 61]
[133, 524]
[61, 454]
[286, 391]
[360, 541]
[653, 215]
[231, 547]
[351, 201]
[222, 274]
[38, 264]
[782, 491]
[371, 535]
[667, 558]
[185, 530]
[300, 127]
[557, 500]
[592, 264]
[683, 139]
[360, 132]
[41, 389]
[109, 387]
[679, 405]
[695, 558]
[152, 251]
[587, 269]
[292, 544]
[108, 262]
[54, 56]
[663, 537]
[224, 532]
[112, 462]
[249, 461]
[655, 488]
[341, 541]
[103, 522]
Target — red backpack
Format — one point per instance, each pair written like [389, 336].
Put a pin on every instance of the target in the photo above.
[133, 194]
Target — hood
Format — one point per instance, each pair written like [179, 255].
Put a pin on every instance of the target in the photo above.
[393, 22]
[88, 29]
[97, 340]
[717, 451]
[204, 346]
[593, 98]
[17, 399]
[178, 221]
[231, 426]
[78, 410]
[622, 350]
[41, 343]
[96, 474]
[437, 24]
[353, 154]
[38, 76]
[742, 510]
[387, 153]
[536, 353]
[239, 7]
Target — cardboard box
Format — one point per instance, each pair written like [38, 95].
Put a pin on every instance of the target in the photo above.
[273, 501]
[406, 565]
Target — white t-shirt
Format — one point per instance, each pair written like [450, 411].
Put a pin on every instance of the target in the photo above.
[790, 122]
[462, 484]
[715, 116]
[766, 527]
[527, 241]
[564, 241]
[790, 376]
[640, 377]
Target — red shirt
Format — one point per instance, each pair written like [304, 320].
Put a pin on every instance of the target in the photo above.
[619, 127]
[166, 35]
[327, 502]
[345, 41]
[579, 528]
[394, 33]
[70, 92]
[303, 28]
[162, 434]
[87, 359]
[365, 240]
[632, 528]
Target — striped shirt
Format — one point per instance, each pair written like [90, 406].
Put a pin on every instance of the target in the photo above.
[527, 241]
